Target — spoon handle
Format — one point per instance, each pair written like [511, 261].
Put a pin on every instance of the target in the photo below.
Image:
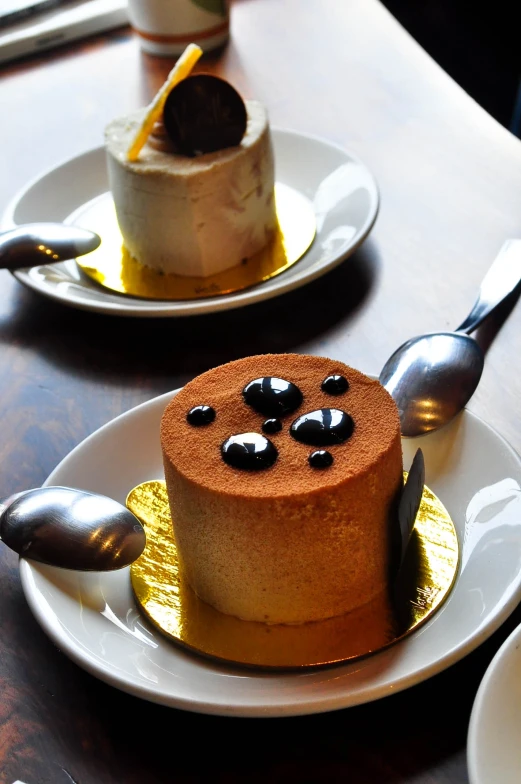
[500, 281]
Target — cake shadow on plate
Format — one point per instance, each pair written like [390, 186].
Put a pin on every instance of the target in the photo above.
[66, 336]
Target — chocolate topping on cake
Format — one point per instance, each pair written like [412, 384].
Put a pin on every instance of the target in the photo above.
[203, 114]
[196, 453]
[324, 427]
[335, 385]
[272, 396]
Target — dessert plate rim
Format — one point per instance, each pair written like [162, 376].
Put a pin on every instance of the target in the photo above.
[61, 190]
[495, 720]
[94, 620]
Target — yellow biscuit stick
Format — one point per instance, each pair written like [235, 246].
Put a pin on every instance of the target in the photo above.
[179, 72]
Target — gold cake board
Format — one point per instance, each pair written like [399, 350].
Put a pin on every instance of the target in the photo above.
[112, 267]
[424, 581]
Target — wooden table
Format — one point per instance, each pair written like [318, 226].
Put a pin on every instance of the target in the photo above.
[450, 193]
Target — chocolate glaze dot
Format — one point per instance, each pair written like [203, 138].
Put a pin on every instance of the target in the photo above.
[272, 396]
[271, 426]
[335, 385]
[320, 459]
[200, 415]
[249, 452]
[324, 427]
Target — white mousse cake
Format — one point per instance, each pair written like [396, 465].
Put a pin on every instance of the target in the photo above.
[194, 216]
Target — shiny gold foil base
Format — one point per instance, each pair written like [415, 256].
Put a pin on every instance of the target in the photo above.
[114, 268]
[424, 581]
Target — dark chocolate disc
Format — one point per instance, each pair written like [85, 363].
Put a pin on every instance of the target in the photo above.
[204, 113]
[249, 452]
[324, 427]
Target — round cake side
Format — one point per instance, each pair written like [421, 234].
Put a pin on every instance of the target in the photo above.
[290, 543]
[194, 216]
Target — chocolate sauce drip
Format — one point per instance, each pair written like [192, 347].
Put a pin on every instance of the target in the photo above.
[271, 396]
[324, 427]
[335, 385]
[249, 452]
[271, 426]
[320, 459]
[200, 415]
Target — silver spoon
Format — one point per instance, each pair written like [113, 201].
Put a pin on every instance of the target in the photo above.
[71, 528]
[432, 377]
[43, 243]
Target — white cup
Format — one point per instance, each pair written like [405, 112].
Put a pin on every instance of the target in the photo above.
[166, 27]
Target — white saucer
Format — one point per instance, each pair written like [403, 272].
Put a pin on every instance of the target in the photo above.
[94, 620]
[494, 748]
[342, 190]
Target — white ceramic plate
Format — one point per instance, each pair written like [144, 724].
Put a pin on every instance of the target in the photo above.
[94, 620]
[342, 190]
[494, 748]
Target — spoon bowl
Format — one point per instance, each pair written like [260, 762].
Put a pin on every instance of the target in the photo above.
[71, 529]
[432, 377]
[32, 244]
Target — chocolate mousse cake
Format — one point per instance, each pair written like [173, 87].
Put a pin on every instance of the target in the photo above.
[199, 198]
[283, 473]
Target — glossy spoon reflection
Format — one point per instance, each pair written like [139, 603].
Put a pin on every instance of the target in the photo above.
[33, 244]
[432, 377]
[72, 529]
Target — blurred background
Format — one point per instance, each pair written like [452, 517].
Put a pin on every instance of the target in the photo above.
[478, 44]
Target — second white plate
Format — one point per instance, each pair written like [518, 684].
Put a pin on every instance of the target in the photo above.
[342, 190]
[493, 749]
[93, 617]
